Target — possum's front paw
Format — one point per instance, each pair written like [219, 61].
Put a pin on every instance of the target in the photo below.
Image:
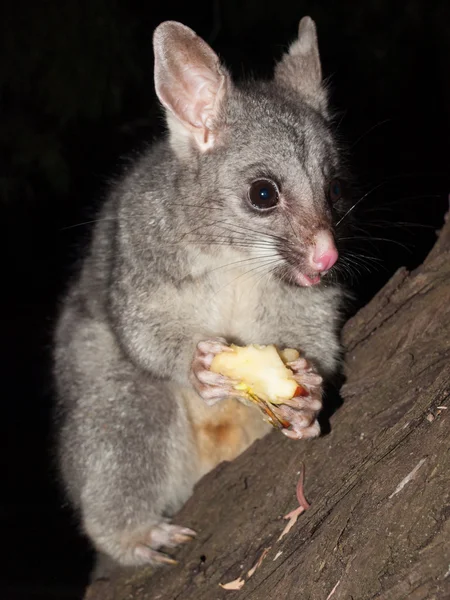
[301, 411]
[212, 387]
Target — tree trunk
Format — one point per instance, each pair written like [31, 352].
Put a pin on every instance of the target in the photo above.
[378, 483]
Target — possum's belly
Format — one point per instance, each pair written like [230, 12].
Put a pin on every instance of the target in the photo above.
[221, 432]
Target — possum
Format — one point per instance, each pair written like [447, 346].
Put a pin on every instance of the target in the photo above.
[223, 232]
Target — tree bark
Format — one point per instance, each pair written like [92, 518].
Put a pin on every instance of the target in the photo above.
[378, 483]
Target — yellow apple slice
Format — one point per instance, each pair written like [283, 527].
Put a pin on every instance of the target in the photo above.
[288, 355]
[260, 371]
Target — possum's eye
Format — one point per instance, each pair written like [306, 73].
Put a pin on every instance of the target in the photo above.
[335, 190]
[263, 194]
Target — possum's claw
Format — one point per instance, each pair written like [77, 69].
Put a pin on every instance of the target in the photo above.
[166, 534]
[163, 534]
[146, 555]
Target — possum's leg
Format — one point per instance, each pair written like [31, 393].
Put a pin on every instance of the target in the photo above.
[126, 454]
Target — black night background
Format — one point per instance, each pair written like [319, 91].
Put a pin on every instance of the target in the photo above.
[77, 100]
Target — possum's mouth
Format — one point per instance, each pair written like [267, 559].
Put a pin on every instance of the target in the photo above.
[303, 277]
[297, 270]
[294, 273]
[306, 280]
[298, 276]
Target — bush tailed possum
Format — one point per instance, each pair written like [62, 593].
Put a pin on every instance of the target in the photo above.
[222, 232]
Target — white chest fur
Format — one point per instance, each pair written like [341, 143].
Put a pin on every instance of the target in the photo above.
[232, 301]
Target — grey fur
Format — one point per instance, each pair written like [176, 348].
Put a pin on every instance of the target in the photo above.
[163, 273]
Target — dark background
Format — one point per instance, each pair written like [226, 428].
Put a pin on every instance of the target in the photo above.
[76, 99]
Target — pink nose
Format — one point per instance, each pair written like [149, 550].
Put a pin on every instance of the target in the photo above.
[324, 253]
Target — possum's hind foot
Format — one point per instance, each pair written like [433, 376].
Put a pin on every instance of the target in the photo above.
[164, 534]
[143, 546]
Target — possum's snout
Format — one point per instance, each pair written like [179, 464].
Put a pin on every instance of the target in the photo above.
[324, 253]
[319, 259]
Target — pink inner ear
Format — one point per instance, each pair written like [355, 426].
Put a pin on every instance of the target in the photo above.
[199, 89]
[189, 80]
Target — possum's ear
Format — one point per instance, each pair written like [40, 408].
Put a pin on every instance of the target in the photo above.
[191, 84]
[300, 68]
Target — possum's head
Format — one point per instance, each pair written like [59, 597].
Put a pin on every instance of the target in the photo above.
[267, 168]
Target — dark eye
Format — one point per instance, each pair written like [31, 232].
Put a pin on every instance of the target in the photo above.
[263, 194]
[335, 190]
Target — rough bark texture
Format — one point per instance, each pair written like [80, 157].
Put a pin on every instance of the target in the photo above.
[378, 484]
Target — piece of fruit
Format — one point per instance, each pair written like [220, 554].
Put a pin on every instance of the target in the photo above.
[260, 371]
